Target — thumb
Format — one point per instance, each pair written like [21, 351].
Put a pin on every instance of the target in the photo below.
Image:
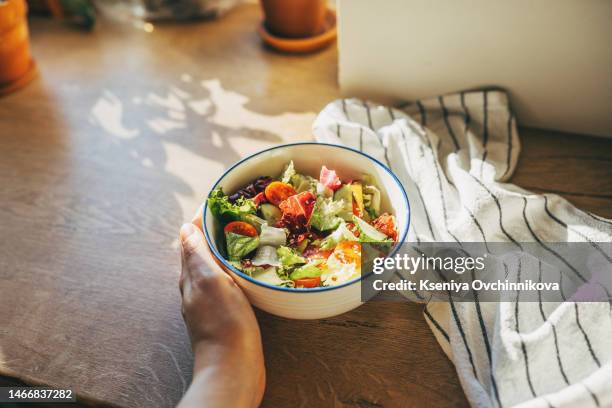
[191, 238]
[193, 247]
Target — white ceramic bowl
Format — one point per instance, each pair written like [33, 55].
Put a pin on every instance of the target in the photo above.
[308, 158]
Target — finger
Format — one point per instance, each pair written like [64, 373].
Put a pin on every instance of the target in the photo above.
[193, 248]
[184, 280]
[197, 218]
[197, 255]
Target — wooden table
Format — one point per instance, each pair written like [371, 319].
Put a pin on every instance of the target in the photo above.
[116, 144]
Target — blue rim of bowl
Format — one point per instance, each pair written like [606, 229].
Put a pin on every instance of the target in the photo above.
[216, 253]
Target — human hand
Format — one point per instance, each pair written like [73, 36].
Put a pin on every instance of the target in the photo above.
[225, 337]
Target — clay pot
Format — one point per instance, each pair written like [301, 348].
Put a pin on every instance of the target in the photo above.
[15, 58]
[295, 18]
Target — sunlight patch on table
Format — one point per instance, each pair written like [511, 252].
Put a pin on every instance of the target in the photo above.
[230, 112]
[107, 113]
[162, 125]
[201, 106]
[194, 170]
[170, 101]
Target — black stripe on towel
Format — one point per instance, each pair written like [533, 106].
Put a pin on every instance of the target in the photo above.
[501, 225]
[462, 332]
[484, 238]
[586, 338]
[509, 131]
[365, 105]
[457, 320]
[416, 234]
[593, 244]
[584, 334]
[485, 336]
[552, 325]
[441, 187]
[361, 138]
[371, 126]
[548, 402]
[485, 130]
[518, 331]
[338, 131]
[567, 227]
[449, 128]
[561, 286]
[485, 120]
[598, 218]
[422, 113]
[592, 394]
[561, 369]
[386, 151]
[429, 225]
[378, 137]
[539, 241]
[436, 324]
[391, 114]
[433, 236]
[467, 116]
[344, 109]
[540, 305]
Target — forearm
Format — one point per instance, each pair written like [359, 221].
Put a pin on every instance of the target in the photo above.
[222, 377]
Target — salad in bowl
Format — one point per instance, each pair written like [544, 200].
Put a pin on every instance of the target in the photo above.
[301, 231]
[288, 223]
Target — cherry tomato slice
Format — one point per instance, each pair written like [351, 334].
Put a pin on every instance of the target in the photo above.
[259, 199]
[307, 282]
[385, 223]
[356, 209]
[277, 191]
[241, 228]
[353, 228]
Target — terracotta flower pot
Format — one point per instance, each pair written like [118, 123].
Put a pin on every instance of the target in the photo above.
[295, 18]
[15, 59]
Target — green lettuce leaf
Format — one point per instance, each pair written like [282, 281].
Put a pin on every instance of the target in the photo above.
[303, 183]
[306, 271]
[325, 214]
[225, 211]
[289, 257]
[239, 246]
[272, 236]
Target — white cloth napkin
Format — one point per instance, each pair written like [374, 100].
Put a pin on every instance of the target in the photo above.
[452, 153]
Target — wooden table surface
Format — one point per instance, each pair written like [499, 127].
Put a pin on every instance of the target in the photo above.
[116, 144]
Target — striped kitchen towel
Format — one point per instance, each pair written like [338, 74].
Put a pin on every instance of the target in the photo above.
[453, 153]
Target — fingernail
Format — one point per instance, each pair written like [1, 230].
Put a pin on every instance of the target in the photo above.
[189, 236]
